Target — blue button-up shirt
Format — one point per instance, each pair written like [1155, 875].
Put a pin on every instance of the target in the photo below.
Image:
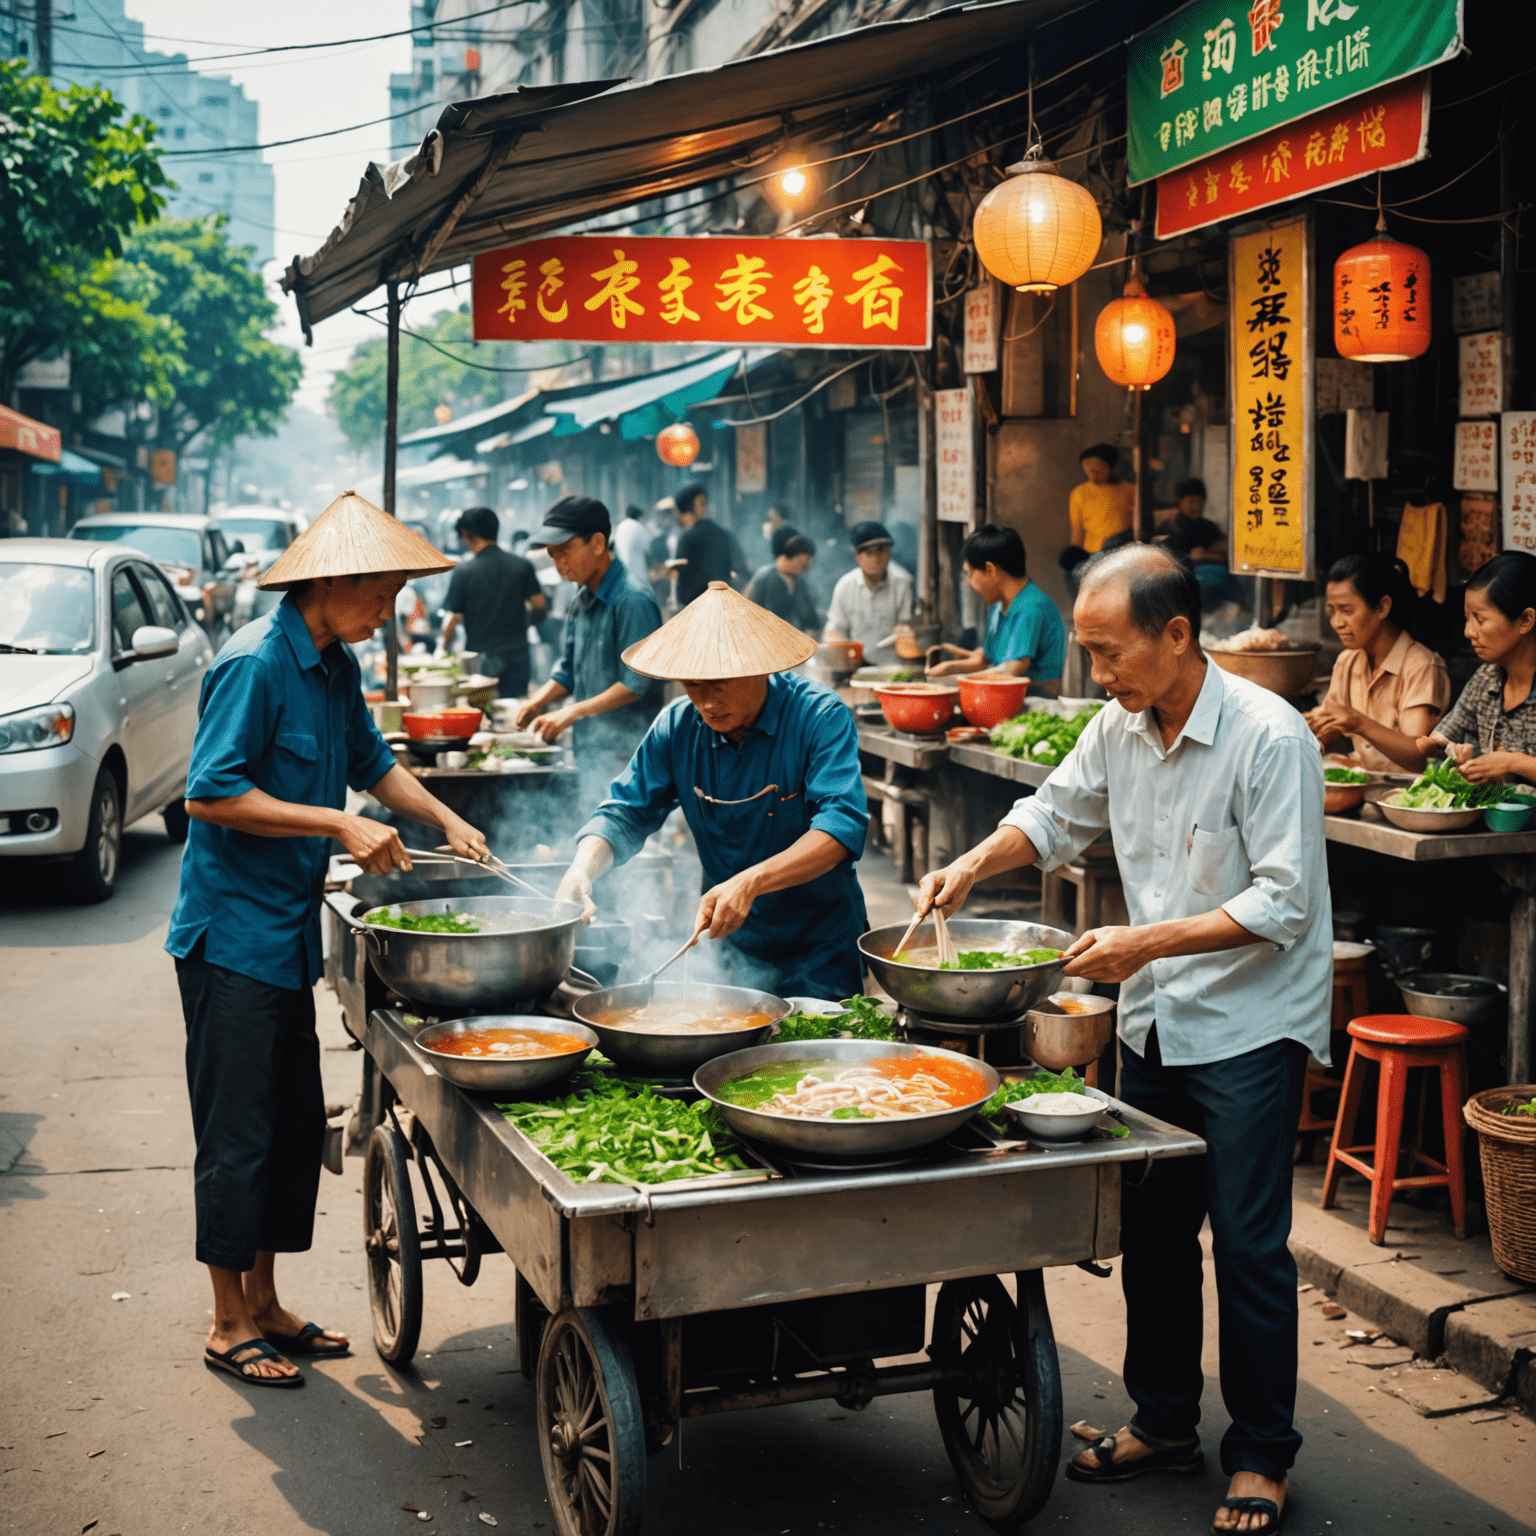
[795, 770]
[1229, 816]
[274, 715]
[600, 627]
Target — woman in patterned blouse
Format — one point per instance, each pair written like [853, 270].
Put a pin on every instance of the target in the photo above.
[1490, 733]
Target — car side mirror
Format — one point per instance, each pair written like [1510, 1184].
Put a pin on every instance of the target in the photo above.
[151, 640]
[237, 559]
[235, 547]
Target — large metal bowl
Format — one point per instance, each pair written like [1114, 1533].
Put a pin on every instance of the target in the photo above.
[1423, 821]
[518, 962]
[1003, 993]
[838, 1140]
[1288, 673]
[1456, 999]
[677, 1054]
[479, 1075]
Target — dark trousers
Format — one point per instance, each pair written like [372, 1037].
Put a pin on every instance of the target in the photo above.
[1246, 1108]
[511, 672]
[258, 1112]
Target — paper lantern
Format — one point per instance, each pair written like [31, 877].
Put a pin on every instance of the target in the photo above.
[1037, 231]
[1381, 301]
[677, 445]
[1134, 338]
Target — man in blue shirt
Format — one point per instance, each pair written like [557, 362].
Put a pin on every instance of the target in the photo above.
[1025, 635]
[765, 765]
[611, 705]
[282, 734]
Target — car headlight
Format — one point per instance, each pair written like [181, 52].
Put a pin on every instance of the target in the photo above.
[30, 729]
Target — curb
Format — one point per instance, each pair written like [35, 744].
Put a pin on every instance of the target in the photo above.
[1487, 1333]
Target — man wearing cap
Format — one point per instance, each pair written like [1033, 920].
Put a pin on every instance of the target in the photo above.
[493, 593]
[874, 601]
[282, 734]
[611, 705]
[765, 766]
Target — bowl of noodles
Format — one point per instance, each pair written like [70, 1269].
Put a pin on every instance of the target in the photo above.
[846, 1100]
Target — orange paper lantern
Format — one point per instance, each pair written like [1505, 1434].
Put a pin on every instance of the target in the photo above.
[1134, 338]
[1381, 301]
[677, 445]
[1037, 231]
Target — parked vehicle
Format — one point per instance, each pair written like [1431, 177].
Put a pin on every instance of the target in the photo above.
[265, 532]
[101, 664]
[192, 550]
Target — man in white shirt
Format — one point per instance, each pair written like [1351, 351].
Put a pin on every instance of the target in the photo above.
[631, 540]
[873, 601]
[1214, 794]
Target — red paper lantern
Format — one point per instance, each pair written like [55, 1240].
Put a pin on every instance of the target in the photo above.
[1381, 301]
[1134, 338]
[677, 445]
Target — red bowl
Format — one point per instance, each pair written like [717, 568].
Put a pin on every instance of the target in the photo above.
[919, 709]
[460, 723]
[989, 698]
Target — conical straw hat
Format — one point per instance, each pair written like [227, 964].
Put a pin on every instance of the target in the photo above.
[720, 634]
[352, 537]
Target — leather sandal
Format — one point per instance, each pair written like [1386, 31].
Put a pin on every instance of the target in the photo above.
[225, 1360]
[310, 1340]
[1251, 1504]
[1182, 1459]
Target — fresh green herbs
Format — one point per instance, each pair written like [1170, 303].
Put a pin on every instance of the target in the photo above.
[1041, 736]
[1346, 776]
[427, 922]
[1442, 788]
[986, 959]
[1010, 1092]
[865, 1020]
[907, 675]
[1515, 1108]
[613, 1134]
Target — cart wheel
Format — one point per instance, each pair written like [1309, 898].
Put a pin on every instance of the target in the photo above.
[393, 1246]
[591, 1430]
[1002, 1430]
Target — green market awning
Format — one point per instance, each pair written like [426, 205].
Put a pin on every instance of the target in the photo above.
[643, 406]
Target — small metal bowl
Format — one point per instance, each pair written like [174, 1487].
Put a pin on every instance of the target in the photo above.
[1047, 1127]
[1057, 1039]
[675, 1055]
[482, 1074]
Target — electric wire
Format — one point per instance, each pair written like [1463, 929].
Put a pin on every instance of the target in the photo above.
[563, 362]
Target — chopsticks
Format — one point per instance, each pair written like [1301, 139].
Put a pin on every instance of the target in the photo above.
[906, 938]
[678, 956]
[946, 944]
[490, 862]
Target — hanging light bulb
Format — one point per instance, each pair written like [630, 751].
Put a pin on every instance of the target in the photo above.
[793, 182]
[677, 445]
[1037, 231]
[1134, 337]
[1381, 300]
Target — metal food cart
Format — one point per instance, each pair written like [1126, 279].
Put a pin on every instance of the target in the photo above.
[641, 1307]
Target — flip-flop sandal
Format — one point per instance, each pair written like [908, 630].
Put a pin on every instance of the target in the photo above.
[239, 1368]
[309, 1340]
[1182, 1459]
[1251, 1504]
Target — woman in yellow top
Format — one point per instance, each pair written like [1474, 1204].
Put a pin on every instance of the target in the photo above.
[1100, 507]
[1387, 689]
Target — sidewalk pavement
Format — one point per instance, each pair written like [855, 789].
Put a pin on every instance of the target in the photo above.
[1471, 1329]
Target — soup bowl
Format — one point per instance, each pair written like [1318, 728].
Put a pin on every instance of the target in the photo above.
[489, 1074]
[839, 1140]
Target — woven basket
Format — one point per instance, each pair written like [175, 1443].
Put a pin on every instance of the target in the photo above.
[1508, 1146]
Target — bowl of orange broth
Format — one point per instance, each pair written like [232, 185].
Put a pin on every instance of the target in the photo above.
[505, 1052]
[668, 1029]
[846, 1100]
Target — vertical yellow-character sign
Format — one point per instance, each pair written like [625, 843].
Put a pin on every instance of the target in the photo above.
[1271, 374]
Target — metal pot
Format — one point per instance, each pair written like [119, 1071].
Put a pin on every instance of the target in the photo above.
[675, 1055]
[1057, 1039]
[995, 994]
[1457, 999]
[432, 691]
[1288, 673]
[521, 961]
[838, 1140]
[1402, 949]
[482, 1075]
[840, 656]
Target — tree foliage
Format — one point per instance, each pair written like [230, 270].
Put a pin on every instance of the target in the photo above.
[74, 182]
[232, 381]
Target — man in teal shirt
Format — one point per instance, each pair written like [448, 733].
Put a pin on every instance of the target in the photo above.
[1025, 635]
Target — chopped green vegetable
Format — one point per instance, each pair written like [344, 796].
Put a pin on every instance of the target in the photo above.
[1346, 776]
[613, 1134]
[1526, 1110]
[1041, 736]
[1442, 788]
[865, 1020]
[906, 675]
[1042, 1082]
[431, 922]
[988, 959]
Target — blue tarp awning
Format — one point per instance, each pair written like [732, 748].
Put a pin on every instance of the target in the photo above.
[74, 468]
[645, 405]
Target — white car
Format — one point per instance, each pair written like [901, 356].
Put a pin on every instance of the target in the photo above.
[101, 665]
[263, 533]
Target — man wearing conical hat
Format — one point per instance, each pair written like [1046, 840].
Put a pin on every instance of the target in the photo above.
[765, 766]
[283, 733]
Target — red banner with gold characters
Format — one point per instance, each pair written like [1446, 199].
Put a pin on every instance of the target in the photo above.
[1379, 131]
[781, 293]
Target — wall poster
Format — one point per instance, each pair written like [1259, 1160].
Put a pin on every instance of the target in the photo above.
[955, 448]
[1519, 465]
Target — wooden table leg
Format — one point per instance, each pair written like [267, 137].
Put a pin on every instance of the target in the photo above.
[1520, 873]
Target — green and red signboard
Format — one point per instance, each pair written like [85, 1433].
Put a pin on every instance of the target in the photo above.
[1221, 72]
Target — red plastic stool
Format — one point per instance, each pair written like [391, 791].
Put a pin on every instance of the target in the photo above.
[1399, 1042]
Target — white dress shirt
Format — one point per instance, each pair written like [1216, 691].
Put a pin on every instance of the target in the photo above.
[1230, 816]
[631, 539]
[871, 616]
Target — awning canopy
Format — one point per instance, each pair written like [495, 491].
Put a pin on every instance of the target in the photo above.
[509, 167]
[468, 421]
[28, 436]
[643, 406]
[540, 426]
[72, 467]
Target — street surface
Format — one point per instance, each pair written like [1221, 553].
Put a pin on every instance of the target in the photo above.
[111, 1423]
